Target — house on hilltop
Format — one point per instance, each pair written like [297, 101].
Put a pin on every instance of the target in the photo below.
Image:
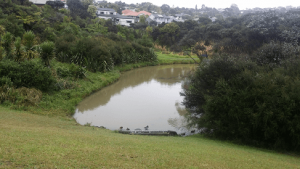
[108, 13]
[159, 19]
[134, 14]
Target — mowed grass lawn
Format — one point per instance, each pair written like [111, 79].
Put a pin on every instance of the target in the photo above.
[36, 141]
[175, 59]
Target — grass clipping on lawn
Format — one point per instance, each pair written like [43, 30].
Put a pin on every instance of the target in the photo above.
[35, 141]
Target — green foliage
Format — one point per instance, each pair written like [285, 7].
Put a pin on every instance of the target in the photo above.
[29, 43]
[145, 41]
[239, 100]
[72, 71]
[7, 40]
[12, 24]
[122, 35]
[27, 74]
[1, 52]
[18, 55]
[49, 34]
[78, 8]
[55, 4]
[92, 10]
[142, 19]
[100, 54]
[6, 81]
[97, 27]
[2, 30]
[47, 52]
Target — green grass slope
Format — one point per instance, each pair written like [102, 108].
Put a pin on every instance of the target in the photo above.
[35, 141]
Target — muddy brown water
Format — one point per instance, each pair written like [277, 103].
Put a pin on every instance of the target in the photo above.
[144, 96]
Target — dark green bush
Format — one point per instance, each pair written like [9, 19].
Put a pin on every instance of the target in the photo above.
[6, 81]
[100, 53]
[239, 100]
[63, 72]
[27, 74]
[73, 71]
[114, 37]
[77, 71]
[145, 42]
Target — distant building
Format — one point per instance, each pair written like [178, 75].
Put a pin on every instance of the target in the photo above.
[213, 19]
[108, 13]
[41, 3]
[136, 14]
[159, 19]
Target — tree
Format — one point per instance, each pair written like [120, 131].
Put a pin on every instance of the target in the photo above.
[18, 50]
[29, 43]
[47, 52]
[204, 20]
[7, 40]
[142, 19]
[78, 8]
[55, 4]
[168, 34]
[165, 8]
[92, 10]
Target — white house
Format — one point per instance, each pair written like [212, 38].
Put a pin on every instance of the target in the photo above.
[164, 19]
[107, 13]
[157, 18]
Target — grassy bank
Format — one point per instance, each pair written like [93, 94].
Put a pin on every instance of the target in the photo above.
[176, 59]
[34, 141]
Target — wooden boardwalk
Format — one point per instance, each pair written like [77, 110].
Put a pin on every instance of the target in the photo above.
[149, 133]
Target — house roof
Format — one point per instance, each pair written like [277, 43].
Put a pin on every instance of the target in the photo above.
[106, 9]
[157, 16]
[126, 11]
[132, 13]
[144, 12]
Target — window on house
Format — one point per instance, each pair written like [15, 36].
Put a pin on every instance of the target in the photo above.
[101, 12]
[128, 21]
[118, 20]
[111, 13]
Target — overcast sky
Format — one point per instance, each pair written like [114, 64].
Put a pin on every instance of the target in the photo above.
[242, 4]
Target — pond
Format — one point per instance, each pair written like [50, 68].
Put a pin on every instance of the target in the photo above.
[144, 96]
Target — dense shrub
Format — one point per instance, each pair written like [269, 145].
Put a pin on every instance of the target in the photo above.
[145, 41]
[239, 100]
[72, 71]
[101, 54]
[275, 53]
[27, 74]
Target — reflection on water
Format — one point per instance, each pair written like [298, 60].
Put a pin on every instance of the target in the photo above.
[141, 97]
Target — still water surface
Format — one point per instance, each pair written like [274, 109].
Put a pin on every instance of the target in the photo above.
[145, 96]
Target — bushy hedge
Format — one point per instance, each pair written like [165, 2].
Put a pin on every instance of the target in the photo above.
[27, 74]
[240, 100]
[100, 53]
